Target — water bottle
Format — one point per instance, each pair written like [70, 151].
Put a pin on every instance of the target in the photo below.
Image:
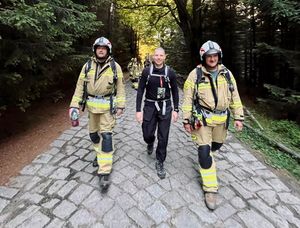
[75, 118]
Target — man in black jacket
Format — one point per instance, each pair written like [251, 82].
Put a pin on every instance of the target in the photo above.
[160, 82]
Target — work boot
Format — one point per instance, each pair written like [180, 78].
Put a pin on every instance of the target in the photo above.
[150, 148]
[210, 200]
[95, 162]
[161, 172]
[104, 181]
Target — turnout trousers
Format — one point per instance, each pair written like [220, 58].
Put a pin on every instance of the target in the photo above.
[102, 124]
[152, 119]
[208, 140]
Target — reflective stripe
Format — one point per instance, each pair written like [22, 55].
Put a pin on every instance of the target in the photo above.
[236, 105]
[204, 86]
[194, 137]
[76, 98]
[187, 108]
[96, 102]
[188, 85]
[98, 105]
[120, 99]
[209, 178]
[97, 148]
[104, 158]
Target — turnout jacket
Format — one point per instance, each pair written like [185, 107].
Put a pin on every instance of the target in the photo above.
[100, 85]
[225, 98]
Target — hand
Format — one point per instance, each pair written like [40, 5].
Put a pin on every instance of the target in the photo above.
[139, 117]
[174, 116]
[188, 128]
[120, 111]
[71, 111]
[238, 125]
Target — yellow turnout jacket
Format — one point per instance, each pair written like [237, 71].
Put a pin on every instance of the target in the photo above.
[225, 98]
[100, 85]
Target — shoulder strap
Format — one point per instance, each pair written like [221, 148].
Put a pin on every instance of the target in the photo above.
[229, 81]
[198, 79]
[114, 69]
[167, 79]
[88, 66]
[150, 72]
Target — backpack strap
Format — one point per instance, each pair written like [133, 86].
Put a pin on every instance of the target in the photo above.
[198, 78]
[167, 79]
[150, 73]
[115, 79]
[229, 81]
[87, 68]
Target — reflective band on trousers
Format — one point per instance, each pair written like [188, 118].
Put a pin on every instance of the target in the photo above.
[105, 161]
[157, 106]
[209, 179]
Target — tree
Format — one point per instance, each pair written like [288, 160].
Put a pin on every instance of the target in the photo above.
[37, 40]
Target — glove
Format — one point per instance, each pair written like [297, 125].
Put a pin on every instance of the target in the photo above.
[71, 110]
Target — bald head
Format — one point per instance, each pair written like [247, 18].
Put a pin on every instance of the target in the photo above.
[159, 57]
[160, 49]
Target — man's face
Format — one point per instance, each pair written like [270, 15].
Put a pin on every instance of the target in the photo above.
[159, 57]
[212, 60]
[101, 52]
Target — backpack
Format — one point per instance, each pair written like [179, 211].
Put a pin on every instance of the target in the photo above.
[86, 71]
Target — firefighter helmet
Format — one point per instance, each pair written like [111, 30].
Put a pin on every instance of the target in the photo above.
[102, 41]
[210, 47]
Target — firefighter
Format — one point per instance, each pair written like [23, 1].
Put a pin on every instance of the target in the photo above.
[134, 72]
[147, 61]
[209, 91]
[159, 81]
[100, 87]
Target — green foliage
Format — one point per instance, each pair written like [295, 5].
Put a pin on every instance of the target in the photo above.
[273, 157]
[152, 20]
[37, 40]
[287, 130]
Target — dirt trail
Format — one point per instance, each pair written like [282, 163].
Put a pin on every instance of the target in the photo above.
[33, 133]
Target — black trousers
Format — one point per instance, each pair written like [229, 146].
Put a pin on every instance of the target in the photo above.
[153, 119]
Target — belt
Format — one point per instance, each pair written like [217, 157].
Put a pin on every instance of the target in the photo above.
[157, 106]
[217, 112]
[99, 96]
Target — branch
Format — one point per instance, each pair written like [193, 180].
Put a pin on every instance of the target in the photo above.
[160, 17]
[135, 6]
[173, 14]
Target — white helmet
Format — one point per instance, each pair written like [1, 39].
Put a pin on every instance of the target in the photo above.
[210, 47]
[102, 41]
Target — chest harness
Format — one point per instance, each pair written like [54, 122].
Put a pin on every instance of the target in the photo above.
[167, 80]
[202, 110]
[111, 96]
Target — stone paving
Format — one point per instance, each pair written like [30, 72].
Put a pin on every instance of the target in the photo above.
[60, 187]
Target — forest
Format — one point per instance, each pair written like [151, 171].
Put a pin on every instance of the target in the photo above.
[44, 43]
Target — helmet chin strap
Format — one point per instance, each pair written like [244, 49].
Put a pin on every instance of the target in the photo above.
[102, 59]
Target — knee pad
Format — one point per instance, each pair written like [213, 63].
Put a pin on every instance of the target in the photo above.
[95, 137]
[107, 142]
[205, 160]
[215, 146]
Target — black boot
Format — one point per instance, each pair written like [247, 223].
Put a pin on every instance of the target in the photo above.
[161, 172]
[95, 162]
[104, 182]
[150, 148]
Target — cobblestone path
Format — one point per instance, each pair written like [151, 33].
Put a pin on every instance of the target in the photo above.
[60, 187]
